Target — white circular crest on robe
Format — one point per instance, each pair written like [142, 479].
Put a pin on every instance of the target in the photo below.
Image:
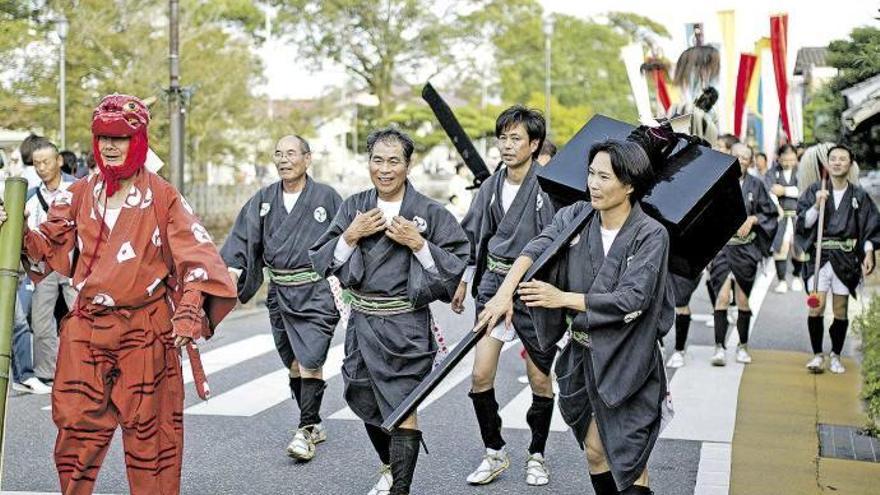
[186, 205]
[421, 224]
[855, 203]
[148, 198]
[197, 274]
[134, 198]
[576, 239]
[264, 209]
[157, 238]
[320, 214]
[539, 203]
[103, 300]
[126, 252]
[200, 233]
[63, 198]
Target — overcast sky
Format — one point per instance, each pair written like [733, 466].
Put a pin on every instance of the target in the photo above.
[809, 25]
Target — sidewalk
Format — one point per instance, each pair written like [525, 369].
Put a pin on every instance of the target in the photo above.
[776, 444]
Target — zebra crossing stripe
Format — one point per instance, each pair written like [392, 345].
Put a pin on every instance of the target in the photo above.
[256, 396]
[513, 415]
[232, 354]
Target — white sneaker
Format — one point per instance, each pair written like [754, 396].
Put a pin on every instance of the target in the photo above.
[319, 434]
[383, 484]
[33, 385]
[493, 464]
[719, 358]
[742, 354]
[536, 471]
[676, 360]
[302, 447]
[797, 284]
[835, 366]
[781, 288]
[817, 364]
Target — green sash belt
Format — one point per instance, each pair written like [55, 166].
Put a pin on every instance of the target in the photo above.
[845, 245]
[498, 265]
[789, 213]
[739, 241]
[293, 278]
[377, 305]
[582, 338]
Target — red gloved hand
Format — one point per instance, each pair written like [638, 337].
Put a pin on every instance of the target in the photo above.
[189, 318]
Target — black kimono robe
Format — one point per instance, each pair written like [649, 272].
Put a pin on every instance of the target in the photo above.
[266, 235]
[388, 355]
[492, 232]
[788, 204]
[612, 368]
[741, 256]
[856, 218]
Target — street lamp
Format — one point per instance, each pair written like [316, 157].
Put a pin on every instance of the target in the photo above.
[61, 27]
[548, 35]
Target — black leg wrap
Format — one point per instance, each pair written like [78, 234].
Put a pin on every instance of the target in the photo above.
[538, 417]
[743, 321]
[404, 455]
[780, 269]
[682, 326]
[486, 408]
[637, 490]
[311, 395]
[381, 442]
[816, 327]
[797, 266]
[603, 483]
[720, 326]
[295, 389]
[838, 335]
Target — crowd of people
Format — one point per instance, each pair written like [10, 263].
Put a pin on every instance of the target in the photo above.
[120, 259]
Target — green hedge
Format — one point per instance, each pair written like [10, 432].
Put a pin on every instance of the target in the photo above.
[868, 326]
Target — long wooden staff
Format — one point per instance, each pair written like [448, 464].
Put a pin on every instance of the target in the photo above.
[813, 300]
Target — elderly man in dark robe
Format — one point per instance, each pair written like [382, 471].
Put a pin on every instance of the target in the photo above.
[607, 286]
[395, 251]
[275, 230]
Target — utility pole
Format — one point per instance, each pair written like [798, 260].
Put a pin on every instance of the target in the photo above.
[61, 29]
[175, 97]
[548, 35]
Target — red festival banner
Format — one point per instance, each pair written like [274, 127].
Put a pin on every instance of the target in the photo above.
[747, 62]
[662, 91]
[779, 49]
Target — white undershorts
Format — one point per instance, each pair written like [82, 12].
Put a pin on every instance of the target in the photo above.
[828, 281]
[502, 332]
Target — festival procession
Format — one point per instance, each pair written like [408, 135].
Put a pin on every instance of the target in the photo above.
[467, 247]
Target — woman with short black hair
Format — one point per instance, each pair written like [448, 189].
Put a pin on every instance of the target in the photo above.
[606, 286]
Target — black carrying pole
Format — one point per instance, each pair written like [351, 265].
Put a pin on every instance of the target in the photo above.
[456, 134]
[412, 401]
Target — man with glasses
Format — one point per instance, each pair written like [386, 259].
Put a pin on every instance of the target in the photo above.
[275, 230]
[508, 211]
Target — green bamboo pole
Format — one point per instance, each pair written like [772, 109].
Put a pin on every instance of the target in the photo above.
[11, 233]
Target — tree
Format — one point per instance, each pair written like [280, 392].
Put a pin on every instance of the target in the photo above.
[587, 74]
[119, 47]
[379, 43]
[856, 60]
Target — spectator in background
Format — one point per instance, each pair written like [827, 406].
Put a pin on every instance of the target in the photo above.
[26, 148]
[70, 163]
[548, 151]
[725, 143]
[47, 162]
[761, 164]
[90, 167]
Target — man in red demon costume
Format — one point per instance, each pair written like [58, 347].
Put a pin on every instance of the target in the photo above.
[149, 281]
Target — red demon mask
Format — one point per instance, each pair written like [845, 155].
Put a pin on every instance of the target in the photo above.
[121, 116]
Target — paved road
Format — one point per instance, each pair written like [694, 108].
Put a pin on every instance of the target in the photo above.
[235, 442]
